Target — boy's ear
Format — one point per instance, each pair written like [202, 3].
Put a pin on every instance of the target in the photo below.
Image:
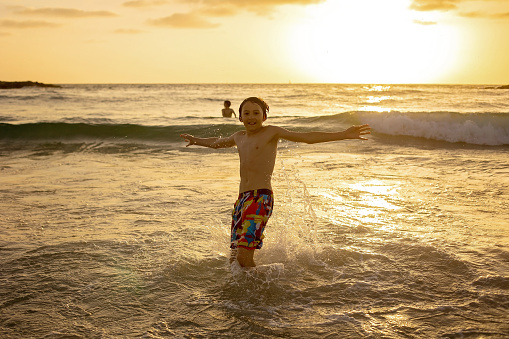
[264, 117]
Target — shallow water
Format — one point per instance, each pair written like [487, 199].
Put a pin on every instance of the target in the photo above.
[395, 237]
[99, 245]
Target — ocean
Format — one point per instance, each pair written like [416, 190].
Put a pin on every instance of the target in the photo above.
[112, 228]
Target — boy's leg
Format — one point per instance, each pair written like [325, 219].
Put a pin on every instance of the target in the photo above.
[245, 257]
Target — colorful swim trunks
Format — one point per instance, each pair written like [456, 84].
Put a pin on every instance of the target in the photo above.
[250, 215]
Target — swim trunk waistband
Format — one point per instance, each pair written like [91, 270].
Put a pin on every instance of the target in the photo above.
[256, 192]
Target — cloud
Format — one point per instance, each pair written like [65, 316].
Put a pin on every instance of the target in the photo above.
[144, 3]
[128, 31]
[62, 12]
[500, 15]
[484, 15]
[183, 20]
[261, 7]
[434, 5]
[473, 14]
[425, 23]
[27, 24]
[217, 11]
[257, 3]
[454, 5]
[199, 16]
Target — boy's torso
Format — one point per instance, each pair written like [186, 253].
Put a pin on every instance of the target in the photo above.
[257, 152]
[227, 112]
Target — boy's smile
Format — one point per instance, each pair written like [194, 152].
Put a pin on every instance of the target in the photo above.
[252, 116]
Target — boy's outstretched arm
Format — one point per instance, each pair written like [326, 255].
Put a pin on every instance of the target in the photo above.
[354, 132]
[215, 142]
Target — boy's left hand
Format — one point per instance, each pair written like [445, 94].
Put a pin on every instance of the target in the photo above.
[356, 132]
[188, 138]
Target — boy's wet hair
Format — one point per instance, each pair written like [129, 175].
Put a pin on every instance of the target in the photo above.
[227, 103]
[259, 102]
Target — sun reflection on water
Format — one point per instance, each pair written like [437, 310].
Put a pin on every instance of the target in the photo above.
[378, 88]
[376, 187]
[366, 203]
[375, 99]
[374, 109]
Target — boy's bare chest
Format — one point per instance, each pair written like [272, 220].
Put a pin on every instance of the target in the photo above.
[250, 148]
[254, 147]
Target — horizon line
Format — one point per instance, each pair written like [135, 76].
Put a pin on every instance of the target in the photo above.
[263, 83]
[267, 83]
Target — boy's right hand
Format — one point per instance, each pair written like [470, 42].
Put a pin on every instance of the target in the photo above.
[357, 132]
[189, 138]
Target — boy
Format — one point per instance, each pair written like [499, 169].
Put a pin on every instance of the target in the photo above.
[257, 147]
[227, 111]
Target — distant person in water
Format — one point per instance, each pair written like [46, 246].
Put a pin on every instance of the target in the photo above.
[257, 147]
[227, 111]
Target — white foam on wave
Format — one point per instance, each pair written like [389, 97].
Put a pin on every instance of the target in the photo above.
[477, 129]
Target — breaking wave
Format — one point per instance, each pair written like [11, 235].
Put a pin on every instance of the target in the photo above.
[489, 129]
[476, 128]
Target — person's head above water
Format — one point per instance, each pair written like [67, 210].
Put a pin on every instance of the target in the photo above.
[263, 105]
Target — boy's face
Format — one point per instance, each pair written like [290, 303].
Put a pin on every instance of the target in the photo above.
[252, 116]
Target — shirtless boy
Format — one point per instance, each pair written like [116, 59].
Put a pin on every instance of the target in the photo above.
[257, 147]
[227, 111]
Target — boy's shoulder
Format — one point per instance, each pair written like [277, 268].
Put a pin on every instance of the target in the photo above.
[270, 128]
[274, 129]
[271, 131]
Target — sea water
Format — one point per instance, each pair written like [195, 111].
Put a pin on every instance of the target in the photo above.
[112, 228]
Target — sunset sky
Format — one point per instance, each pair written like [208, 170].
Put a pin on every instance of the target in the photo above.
[255, 41]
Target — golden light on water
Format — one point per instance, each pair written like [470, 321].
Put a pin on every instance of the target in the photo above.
[367, 203]
[373, 100]
[375, 195]
[376, 98]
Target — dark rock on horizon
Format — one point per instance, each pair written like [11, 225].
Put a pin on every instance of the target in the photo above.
[21, 84]
[499, 87]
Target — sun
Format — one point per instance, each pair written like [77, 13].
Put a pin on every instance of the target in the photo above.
[372, 41]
